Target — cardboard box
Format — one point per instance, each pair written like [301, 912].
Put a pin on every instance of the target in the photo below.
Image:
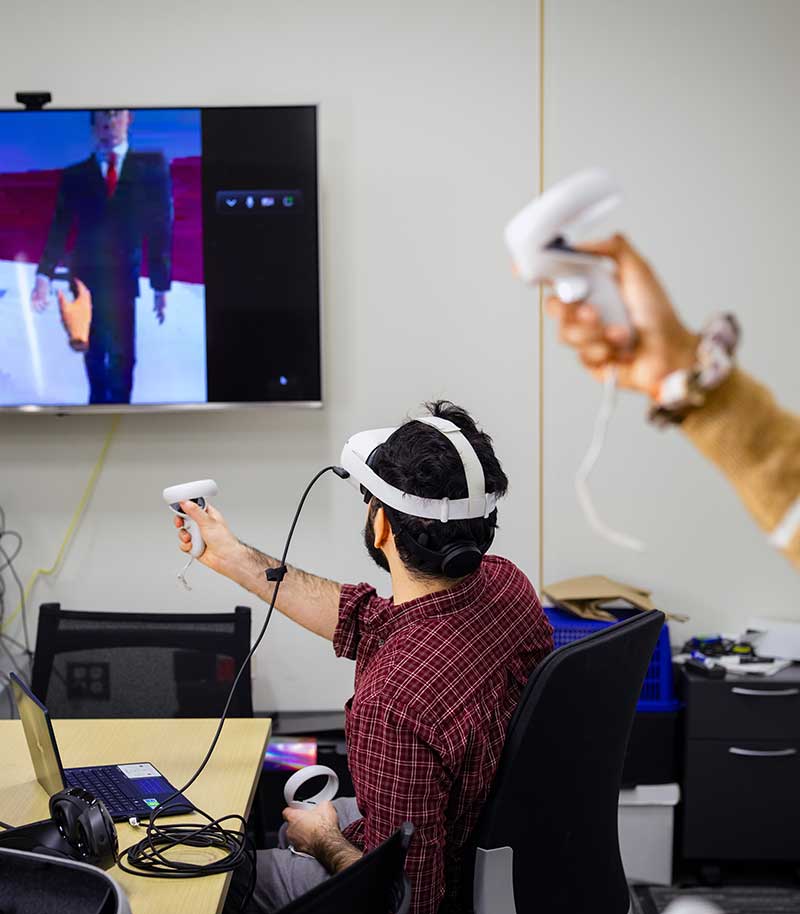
[587, 596]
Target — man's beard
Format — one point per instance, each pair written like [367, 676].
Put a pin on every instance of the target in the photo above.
[378, 556]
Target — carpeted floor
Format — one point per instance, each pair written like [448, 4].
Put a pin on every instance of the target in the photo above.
[729, 899]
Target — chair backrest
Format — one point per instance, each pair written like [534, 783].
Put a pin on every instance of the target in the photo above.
[114, 664]
[34, 884]
[546, 839]
[375, 884]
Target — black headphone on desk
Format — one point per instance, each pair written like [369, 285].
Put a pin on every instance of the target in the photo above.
[79, 827]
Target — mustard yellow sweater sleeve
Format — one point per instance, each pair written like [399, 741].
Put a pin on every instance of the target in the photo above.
[756, 444]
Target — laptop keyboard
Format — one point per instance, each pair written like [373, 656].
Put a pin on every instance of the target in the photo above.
[110, 786]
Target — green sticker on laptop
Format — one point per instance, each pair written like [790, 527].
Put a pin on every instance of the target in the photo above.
[151, 802]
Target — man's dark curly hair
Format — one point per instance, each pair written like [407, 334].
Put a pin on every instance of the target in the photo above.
[420, 460]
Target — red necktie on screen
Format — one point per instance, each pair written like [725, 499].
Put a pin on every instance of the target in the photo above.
[111, 174]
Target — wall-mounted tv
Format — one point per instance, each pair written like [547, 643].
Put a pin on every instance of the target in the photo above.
[195, 231]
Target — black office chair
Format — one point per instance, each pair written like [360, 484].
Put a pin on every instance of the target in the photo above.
[110, 664]
[375, 884]
[35, 884]
[546, 839]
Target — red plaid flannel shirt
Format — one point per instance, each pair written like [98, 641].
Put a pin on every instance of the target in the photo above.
[436, 682]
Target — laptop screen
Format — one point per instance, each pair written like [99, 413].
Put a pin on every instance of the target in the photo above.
[39, 736]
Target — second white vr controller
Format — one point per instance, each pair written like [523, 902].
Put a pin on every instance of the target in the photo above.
[538, 239]
[300, 777]
[199, 492]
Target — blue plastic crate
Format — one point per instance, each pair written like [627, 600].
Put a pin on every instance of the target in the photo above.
[658, 691]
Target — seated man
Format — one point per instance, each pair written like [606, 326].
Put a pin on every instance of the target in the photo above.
[439, 670]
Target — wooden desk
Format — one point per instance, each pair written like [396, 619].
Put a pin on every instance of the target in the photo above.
[176, 748]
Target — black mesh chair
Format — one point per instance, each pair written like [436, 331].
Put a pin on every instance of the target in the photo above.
[110, 664]
[36, 884]
[546, 839]
[375, 884]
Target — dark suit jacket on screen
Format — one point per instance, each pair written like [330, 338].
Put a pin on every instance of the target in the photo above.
[109, 233]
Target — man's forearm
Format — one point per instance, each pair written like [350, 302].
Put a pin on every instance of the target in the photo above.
[307, 599]
[756, 443]
[334, 851]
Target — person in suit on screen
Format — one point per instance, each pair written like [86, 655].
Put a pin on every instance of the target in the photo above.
[110, 204]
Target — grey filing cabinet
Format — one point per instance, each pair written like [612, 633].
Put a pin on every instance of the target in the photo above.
[742, 767]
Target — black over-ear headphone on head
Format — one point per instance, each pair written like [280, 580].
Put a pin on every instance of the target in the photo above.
[453, 560]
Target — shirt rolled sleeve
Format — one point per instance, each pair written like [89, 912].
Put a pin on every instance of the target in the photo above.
[352, 600]
[402, 779]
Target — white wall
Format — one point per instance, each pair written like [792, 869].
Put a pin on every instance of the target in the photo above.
[693, 106]
[427, 144]
[428, 138]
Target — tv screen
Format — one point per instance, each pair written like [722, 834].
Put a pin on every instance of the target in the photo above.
[158, 258]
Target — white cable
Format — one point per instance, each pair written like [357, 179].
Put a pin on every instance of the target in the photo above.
[601, 424]
[182, 573]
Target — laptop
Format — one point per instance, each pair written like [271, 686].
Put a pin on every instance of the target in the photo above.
[133, 789]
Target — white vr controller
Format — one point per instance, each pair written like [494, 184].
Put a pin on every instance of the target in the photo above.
[199, 492]
[300, 777]
[539, 246]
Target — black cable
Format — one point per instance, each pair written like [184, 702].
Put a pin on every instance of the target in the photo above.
[148, 856]
[2, 580]
[10, 559]
[13, 660]
[10, 565]
[14, 642]
[9, 695]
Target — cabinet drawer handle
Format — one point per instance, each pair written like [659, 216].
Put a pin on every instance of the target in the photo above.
[765, 693]
[756, 753]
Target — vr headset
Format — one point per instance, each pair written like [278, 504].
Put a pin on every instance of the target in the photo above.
[455, 559]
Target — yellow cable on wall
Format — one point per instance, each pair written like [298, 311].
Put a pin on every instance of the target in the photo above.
[73, 525]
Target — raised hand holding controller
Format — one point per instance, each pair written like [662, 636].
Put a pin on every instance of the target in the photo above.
[536, 238]
[199, 492]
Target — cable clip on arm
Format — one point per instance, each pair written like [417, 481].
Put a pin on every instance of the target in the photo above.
[276, 574]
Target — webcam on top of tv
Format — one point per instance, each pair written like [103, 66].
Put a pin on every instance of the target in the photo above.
[33, 101]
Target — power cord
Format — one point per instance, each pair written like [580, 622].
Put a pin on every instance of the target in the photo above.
[148, 856]
[8, 565]
[71, 529]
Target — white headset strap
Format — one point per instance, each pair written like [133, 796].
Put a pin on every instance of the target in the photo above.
[476, 482]
[478, 503]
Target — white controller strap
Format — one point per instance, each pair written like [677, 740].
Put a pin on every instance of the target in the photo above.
[300, 777]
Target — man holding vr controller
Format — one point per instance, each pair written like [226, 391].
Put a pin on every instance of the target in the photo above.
[734, 421]
[440, 666]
